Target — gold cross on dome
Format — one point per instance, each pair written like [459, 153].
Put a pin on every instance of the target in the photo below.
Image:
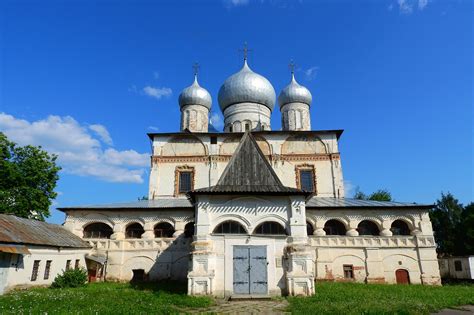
[245, 50]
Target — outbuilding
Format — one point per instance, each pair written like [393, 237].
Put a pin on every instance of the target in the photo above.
[34, 252]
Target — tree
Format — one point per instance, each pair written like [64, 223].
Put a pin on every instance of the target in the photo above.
[446, 218]
[28, 176]
[379, 195]
[467, 229]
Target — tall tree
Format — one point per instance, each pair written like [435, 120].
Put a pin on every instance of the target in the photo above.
[466, 230]
[28, 176]
[379, 195]
[446, 218]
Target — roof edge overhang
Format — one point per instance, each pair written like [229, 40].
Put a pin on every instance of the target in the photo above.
[400, 207]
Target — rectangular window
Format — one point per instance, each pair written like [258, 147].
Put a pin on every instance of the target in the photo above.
[307, 180]
[247, 127]
[348, 271]
[47, 269]
[457, 265]
[213, 140]
[68, 264]
[34, 273]
[185, 182]
[76, 265]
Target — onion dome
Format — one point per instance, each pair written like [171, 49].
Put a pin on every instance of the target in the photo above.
[294, 93]
[246, 86]
[195, 95]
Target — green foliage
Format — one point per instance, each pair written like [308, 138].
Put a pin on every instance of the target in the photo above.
[379, 195]
[72, 278]
[453, 226]
[103, 298]
[357, 298]
[28, 176]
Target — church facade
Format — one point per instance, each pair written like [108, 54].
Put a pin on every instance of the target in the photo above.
[252, 211]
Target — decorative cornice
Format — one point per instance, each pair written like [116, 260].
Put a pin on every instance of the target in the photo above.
[225, 158]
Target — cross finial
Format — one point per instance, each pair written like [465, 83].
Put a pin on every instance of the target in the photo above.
[292, 66]
[245, 50]
[196, 68]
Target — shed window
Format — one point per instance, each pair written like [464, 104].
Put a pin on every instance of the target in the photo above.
[185, 182]
[34, 272]
[271, 228]
[348, 271]
[457, 265]
[47, 269]
[134, 230]
[230, 227]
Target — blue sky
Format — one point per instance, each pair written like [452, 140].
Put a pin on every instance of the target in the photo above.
[88, 80]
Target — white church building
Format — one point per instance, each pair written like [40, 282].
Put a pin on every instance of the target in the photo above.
[252, 211]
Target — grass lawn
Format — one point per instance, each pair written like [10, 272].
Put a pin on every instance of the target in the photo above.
[354, 298]
[102, 298]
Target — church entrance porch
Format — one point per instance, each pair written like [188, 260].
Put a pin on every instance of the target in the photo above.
[250, 270]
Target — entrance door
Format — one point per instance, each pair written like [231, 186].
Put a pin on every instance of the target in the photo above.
[250, 270]
[402, 276]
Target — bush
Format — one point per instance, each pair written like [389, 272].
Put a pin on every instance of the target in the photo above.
[72, 278]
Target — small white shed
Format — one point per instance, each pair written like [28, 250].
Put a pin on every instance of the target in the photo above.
[457, 267]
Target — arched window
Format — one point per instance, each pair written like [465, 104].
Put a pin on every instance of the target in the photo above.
[134, 230]
[97, 230]
[230, 227]
[164, 229]
[334, 227]
[309, 229]
[189, 230]
[400, 228]
[367, 227]
[271, 228]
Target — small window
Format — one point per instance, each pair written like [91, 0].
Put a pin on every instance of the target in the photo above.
[134, 230]
[185, 182]
[34, 273]
[76, 264]
[213, 140]
[306, 178]
[231, 129]
[271, 228]
[230, 227]
[47, 269]
[247, 127]
[457, 265]
[164, 229]
[68, 264]
[348, 271]
[263, 127]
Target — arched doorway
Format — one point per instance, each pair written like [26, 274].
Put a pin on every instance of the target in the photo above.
[402, 276]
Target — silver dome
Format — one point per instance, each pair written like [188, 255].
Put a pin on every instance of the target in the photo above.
[246, 86]
[195, 95]
[294, 93]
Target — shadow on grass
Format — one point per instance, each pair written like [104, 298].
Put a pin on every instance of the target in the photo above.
[167, 286]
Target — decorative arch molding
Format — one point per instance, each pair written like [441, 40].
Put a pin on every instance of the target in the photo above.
[164, 220]
[311, 221]
[374, 219]
[184, 145]
[136, 221]
[96, 218]
[304, 144]
[270, 218]
[362, 259]
[247, 199]
[414, 260]
[343, 220]
[232, 217]
[411, 224]
[236, 220]
[229, 145]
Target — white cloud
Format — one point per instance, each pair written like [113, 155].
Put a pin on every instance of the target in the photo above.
[153, 128]
[422, 4]
[235, 3]
[79, 151]
[157, 92]
[405, 7]
[408, 6]
[349, 189]
[216, 121]
[311, 73]
[103, 133]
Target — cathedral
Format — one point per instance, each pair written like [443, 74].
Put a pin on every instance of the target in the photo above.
[252, 211]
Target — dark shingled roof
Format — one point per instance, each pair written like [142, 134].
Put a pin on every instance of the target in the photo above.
[248, 171]
[26, 231]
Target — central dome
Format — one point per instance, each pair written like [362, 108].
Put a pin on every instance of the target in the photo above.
[246, 86]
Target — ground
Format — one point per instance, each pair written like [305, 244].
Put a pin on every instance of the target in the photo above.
[331, 298]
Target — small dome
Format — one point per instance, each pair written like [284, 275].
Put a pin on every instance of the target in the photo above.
[195, 95]
[246, 86]
[294, 93]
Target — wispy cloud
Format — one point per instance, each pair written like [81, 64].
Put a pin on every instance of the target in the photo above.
[153, 128]
[82, 150]
[311, 73]
[409, 6]
[157, 92]
[235, 3]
